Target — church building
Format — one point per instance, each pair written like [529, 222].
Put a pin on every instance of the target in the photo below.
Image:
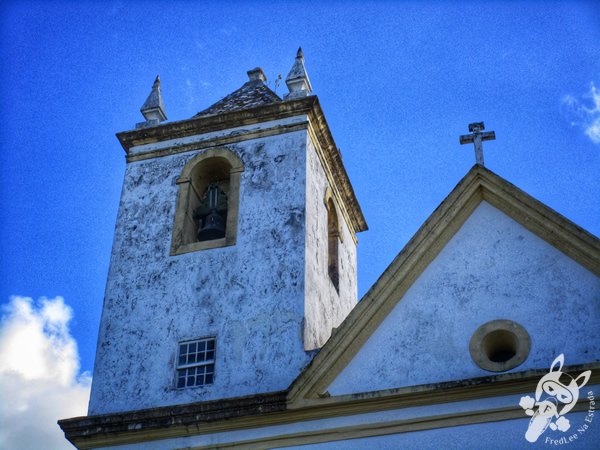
[231, 317]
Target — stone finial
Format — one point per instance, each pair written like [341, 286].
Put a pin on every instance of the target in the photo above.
[297, 80]
[257, 74]
[153, 108]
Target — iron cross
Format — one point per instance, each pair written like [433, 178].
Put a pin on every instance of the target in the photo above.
[477, 138]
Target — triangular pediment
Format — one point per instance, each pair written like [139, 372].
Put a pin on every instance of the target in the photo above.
[489, 251]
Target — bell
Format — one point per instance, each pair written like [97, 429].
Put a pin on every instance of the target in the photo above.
[214, 227]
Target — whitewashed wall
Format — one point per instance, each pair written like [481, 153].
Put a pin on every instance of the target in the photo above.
[325, 308]
[493, 268]
[250, 295]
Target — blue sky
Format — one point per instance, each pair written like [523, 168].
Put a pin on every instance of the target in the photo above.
[398, 81]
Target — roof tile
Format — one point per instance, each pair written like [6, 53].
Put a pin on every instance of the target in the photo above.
[252, 93]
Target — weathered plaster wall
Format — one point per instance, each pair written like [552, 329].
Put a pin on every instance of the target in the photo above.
[250, 295]
[325, 308]
[493, 268]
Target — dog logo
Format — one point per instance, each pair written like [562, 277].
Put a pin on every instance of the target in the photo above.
[556, 394]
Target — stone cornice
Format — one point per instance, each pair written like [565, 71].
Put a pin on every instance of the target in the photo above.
[309, 106]
[272, 409]
[131, 426]
[224, 121]
[334, 161]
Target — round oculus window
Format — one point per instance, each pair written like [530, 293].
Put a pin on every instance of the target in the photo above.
[500, 345]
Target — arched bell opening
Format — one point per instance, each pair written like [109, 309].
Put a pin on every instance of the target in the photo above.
[207, 205]
[209, 198]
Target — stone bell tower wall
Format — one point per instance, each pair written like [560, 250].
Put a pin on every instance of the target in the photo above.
[249, 296]
[325, 306]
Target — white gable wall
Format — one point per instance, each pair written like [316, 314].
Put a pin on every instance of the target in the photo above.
[492, 268]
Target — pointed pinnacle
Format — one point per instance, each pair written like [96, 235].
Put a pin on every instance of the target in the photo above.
[153, 108]
[297, 80]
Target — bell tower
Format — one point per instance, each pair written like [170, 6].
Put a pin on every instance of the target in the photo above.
[234, 253]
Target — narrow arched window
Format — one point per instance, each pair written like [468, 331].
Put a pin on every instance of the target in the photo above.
[207, 204]
[333, 244]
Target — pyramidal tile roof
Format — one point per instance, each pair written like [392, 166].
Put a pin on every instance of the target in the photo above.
[253, 93]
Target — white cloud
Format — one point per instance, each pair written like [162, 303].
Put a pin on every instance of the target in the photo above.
[39, 374]
[584, 112]
[593, 131]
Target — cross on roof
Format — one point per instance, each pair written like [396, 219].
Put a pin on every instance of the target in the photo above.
[477, 138]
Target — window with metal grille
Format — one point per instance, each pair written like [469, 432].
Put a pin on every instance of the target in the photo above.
[196, 363]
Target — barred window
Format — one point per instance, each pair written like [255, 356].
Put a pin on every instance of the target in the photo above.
[196, 363]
